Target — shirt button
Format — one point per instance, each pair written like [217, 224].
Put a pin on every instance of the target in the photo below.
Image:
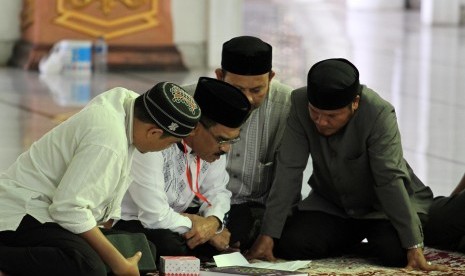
[238, 154]
[235, 176]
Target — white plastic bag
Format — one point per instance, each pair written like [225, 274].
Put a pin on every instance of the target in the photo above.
[68, 57]
[52, 63]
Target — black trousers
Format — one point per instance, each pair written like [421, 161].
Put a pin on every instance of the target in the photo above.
[47, 249]
[167, 242]
[244, 222]
[315, 235]
[445, 228]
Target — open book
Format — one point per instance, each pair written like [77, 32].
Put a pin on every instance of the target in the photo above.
[247, 270]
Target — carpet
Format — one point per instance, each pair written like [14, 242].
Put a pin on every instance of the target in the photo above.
[351, 266]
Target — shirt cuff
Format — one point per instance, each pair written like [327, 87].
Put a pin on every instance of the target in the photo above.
[220, 229]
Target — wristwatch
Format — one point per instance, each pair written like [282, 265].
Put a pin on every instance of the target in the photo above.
[221, 227]
[420, 245]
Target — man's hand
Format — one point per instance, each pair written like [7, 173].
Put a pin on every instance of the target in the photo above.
[108, 224]
[262, 249]
[203, 229]
[131, 268]
[416, 261]
[110, 255]
[221, 241]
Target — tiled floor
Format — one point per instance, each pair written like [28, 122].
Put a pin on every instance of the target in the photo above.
[420, 69]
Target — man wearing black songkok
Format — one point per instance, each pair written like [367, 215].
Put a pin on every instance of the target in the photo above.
[362, 187]
[246, 63]
[178, 197]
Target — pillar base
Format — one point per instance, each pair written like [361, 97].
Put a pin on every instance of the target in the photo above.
[27, 56]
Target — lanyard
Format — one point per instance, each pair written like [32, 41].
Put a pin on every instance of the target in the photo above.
[189, 176]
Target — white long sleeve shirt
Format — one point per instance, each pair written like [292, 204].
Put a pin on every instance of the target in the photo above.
[251, 161]
[77, 173]
[160, 192]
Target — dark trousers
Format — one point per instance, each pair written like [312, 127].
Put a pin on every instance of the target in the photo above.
[445, 228]
[167, 242]
[244, 222]
[47, 249]
[314, 235]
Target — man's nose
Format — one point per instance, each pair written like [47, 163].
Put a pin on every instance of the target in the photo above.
[321, 120]
[250, 98]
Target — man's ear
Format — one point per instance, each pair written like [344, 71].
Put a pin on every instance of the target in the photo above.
[219, 74]
[355, 102]
[154, 130]
[272, 74]
[195, 130]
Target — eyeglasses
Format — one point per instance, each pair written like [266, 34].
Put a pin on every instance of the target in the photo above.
[219, 140]
[222, 142]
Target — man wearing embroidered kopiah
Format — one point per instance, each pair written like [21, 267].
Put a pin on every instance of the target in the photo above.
[178, 197]
[73, 179]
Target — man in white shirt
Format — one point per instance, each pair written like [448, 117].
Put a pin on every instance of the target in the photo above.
[178, 197]
[246, 63]
[55, 195]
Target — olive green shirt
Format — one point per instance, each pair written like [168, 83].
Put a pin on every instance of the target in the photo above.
[358, 172]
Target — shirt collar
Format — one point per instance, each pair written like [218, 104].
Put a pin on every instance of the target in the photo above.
[180, 146]
[129, 109]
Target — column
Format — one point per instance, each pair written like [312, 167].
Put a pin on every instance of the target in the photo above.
[440, 12]
[225, 22]
[375, 4]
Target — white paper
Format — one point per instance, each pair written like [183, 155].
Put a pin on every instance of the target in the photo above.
[237, 258]
[230, 259]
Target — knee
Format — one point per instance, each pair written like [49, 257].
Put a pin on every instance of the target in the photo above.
[96, 271]
[436, 219]
[294, 247]
[167, 243]
[88, 263]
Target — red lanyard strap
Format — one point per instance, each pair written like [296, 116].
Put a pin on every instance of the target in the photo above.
[189, 177]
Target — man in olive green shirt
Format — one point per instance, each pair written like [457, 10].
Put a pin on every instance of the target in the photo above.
[362, 187]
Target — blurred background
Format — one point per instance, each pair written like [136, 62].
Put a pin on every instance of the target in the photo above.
[411, 52]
